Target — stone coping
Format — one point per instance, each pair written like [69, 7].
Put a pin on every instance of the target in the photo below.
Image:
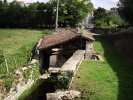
[72, 63]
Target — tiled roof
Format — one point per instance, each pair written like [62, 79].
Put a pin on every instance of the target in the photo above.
[58, 38]
[62, 37]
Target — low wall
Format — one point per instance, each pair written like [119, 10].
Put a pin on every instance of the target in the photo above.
[122, 40]
[64, 75]
[72, 63]
[111, 31]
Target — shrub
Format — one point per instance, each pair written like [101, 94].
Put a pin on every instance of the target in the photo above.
[63, 80]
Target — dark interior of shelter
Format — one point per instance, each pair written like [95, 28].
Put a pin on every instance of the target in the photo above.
[58, 55]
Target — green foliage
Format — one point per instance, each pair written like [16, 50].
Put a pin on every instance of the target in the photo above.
[63, 80]
[36, 72]
[42, 15]
[71, 12]
[27, 92]
[45, 32]
[126, 10]
[18, 44]
[26, 75]
[8, 81]
[104, 19]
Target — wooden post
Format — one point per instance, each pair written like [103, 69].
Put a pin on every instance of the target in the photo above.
[46, 61]
[15, 62]
[6, 66]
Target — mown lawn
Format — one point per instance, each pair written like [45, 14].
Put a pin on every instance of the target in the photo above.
[17, 44]
[111, 79]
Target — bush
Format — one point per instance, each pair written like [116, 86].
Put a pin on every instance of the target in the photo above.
[63, 80]
[103, 19]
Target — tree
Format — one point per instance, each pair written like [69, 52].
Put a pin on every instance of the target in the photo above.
[126, 10]
[32, 11]
[72, 12]
[3, 11]
[104, 19]
[100, 18]
[13, 15]
[39, 15]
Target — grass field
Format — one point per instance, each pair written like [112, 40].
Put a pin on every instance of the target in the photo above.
[17, 44]
[111, 79]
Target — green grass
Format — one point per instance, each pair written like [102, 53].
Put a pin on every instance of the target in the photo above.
[18, 44]
[8, 80]
[111, 79]
[38, 91]
[29, 91]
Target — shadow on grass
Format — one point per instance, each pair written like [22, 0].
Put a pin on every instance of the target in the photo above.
[123, 69]
[39, 93]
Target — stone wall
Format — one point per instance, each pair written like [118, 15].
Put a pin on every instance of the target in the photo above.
[125, 47]
[122, 40]
[71, 64]
[105, 31]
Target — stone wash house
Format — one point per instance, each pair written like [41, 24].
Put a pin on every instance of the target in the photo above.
[56, 49]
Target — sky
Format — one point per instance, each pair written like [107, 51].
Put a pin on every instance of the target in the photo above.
[107, 4]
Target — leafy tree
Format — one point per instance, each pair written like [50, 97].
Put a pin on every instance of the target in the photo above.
[32, 10]
[14, 15]
[100, 18]
[126, 10]
[104, 19]
[41, 15]
[41, 12]
[3, 11]
[72, 12]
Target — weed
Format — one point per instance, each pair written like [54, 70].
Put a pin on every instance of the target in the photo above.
[26, 75]
[63, 80]
[8, 81]
[36, 72]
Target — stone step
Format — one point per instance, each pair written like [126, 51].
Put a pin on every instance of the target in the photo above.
[64, 95]
[44, 76]
[54, 70]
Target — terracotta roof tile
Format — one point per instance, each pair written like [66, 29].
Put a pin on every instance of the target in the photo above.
[58, 38]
